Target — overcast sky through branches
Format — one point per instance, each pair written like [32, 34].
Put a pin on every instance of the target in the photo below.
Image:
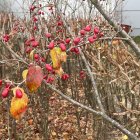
[130, 12]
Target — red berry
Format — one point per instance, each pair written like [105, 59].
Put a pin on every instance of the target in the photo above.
[32, 8]
[72, 50]
[60, 23]
[76, 40]
[28, 50]
[39, 12]
[94, 36]
[63, 47]
[101, 34]
[8, 85]
[76, 50]
[0, 82]
[82, 74]
[67, 40]
[36, 56]
[48, 67]
[51, 45]
[43, 59]
[50, 80]
[65, 77]
[34, 44]
[34, 28]
[88, 28]
[6, 38]
[96, 30]
[48, 35]
[27, 42]
[90, 39]
[35, 19]
[19, 93]
[82, 32]
[45, 76]
[53, 72]
[5, 92]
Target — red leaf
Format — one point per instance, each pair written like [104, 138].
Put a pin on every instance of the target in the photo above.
[34, 77]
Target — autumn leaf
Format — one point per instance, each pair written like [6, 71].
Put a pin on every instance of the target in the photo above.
[63, 57]
[31, 56]
[125, 137]
[115, 42]
[24, 74]
[58, 57]
[59, 71]
[34, 78]
[55, 56]
[18, 105]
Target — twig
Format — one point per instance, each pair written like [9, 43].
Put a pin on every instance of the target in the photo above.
[15, 54]
[92, 80]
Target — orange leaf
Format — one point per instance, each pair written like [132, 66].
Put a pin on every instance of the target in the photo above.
[34, 78]
[18, 105]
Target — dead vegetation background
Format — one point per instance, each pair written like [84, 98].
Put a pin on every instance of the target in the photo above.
[49, 117]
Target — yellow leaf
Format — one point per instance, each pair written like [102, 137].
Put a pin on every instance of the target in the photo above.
[63, 57]
[31, 56]
[114, 56]
[18, 105]
[57, 57]
[59, 71]
[24, 74]
[125, 137]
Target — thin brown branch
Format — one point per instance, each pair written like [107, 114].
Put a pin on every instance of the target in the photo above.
[92, 80]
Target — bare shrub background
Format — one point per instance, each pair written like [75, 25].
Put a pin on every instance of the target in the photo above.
[114, 66]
